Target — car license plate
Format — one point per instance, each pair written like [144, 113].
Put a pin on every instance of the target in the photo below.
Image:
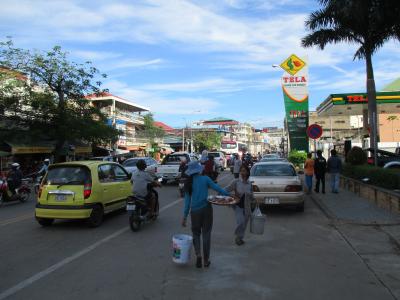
[272, 200]
[130, 207]
[61, 197]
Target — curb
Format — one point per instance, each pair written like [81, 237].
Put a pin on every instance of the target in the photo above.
[331, 216]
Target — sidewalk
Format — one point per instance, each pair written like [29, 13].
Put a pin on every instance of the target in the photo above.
[348, 207]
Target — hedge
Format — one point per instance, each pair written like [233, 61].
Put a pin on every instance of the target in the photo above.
[385, 178]
[297, 157]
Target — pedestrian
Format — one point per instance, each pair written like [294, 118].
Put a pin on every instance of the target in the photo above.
[242, 189]
[210, 169]
[201, 212]
[334, 169]
[237, 163]
[309, 172]
[320, 170]
[204, 157]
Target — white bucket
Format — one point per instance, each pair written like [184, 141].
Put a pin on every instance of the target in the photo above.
[181, 247]
[257, 224]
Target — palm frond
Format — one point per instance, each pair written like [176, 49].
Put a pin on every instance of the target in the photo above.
[323, 37]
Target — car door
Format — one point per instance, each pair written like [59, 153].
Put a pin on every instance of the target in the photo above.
[123, 186]
[108, 185]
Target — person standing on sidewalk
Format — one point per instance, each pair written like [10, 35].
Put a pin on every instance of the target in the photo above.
[237, 163]
[320, 170]
[309, 172]
[201, 212]
[334, 169]
[242, 189]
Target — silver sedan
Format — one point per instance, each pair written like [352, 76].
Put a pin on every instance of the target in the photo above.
[277, 183]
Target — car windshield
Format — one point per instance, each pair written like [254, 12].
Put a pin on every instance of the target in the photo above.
[228, 146]
[68, 175]
[270, 156]
[214, 154]
[131, 162]
[174, 159]
[273, 170]
[272, 159]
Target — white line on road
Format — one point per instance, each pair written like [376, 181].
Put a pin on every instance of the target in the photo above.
[16, 219]
[65, 261]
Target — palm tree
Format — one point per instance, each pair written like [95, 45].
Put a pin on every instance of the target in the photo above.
[367, 23]
[392, 119]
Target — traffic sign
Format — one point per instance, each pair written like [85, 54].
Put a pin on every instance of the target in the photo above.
[314, 131]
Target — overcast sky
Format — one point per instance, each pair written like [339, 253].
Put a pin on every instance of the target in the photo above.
[190, 60]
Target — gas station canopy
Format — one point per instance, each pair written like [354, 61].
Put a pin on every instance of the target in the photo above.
[354, 103]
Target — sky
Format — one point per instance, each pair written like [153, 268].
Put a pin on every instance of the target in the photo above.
[194, 59]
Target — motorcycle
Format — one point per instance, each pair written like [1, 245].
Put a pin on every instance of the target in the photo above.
[138, 209]
[21, 194]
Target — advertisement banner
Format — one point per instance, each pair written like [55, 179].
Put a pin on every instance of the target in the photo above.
[295, 94]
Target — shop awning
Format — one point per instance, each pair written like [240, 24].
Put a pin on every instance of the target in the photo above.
[31, 148]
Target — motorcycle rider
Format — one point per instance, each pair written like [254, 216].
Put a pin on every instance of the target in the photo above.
[44, 168]
[14, 178]
[141, 180]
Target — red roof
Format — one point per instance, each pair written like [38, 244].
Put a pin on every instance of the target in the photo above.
[103, 94]
[163, 126]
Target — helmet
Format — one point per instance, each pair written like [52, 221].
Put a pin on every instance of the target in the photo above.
[141, 165]
[15, 165]
[46, 161]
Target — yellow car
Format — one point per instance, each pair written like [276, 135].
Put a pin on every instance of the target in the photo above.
[82, 190]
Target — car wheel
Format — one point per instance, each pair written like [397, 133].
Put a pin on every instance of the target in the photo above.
[300, 207]
[96, 217]
[45, 222]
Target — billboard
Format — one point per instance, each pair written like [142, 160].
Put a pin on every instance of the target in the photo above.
[295, 94]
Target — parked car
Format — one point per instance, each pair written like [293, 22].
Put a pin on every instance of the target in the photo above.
[219, 159]
[169, 168]
[82, 190]
[383, 157]
[130, 164]
[276, 183]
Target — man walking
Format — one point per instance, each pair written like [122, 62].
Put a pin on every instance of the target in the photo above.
[237, 163]
[334, 169]
[319, 171]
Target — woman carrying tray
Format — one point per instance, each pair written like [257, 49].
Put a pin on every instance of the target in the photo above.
[201, 213]
[242, 189]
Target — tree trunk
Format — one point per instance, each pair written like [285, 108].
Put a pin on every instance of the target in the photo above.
[60, 142]
[372, 107]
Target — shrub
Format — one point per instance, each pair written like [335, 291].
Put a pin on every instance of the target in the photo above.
[356, 156]
[385, 178]
[297, 157]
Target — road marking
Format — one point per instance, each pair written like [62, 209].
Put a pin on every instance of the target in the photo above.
[27, 282]
[16, 219]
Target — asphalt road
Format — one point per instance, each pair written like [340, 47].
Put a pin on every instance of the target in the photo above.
[300, 256]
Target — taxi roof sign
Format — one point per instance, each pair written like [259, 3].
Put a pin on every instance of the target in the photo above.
[292, 64]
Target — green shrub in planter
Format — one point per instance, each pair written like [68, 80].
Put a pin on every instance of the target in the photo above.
[297, 157]
[385, 178]
[356, 156]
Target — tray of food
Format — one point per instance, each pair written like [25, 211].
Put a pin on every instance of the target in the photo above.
[222, 200]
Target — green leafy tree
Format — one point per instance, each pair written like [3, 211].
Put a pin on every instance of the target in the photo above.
[206, 140]
[49, 97]
[367, 23]
[151, 132]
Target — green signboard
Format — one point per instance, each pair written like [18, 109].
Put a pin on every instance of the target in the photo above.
[295, 94]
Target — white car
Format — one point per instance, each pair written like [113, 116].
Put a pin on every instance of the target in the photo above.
[130, 164]
[276, 183]
[219, 159]
[169, 168]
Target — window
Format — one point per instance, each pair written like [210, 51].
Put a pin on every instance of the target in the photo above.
[174, 159]
[273, 170]
[214, 154]
[131, 162]
[106, 173]
[71, 175]
[120, 174]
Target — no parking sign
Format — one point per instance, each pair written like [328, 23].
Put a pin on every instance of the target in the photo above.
[314, 131]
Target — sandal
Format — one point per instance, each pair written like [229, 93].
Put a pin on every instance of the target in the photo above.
[207, 264]
[239, 241]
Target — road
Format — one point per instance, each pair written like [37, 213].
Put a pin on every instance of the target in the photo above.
[300, 256]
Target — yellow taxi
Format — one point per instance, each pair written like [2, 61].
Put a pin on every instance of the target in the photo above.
[82, 190]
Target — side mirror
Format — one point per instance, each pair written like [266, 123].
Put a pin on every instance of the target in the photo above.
[130, 175]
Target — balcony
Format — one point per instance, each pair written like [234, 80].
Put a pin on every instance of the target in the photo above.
[129, 117]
